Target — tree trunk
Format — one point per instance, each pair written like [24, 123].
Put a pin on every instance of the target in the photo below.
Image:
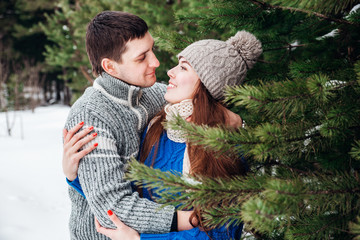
[86, 75]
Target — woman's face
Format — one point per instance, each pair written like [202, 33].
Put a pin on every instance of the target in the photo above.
[183, 82]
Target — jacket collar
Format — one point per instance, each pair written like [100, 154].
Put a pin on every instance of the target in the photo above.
[118, 90]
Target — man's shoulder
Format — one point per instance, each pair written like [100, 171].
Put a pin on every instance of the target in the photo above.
[91, 103]
[155, 93]
[96, 99]
[157, 88]
[89, 97]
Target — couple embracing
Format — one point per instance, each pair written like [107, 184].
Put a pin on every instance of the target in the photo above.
[125, 109]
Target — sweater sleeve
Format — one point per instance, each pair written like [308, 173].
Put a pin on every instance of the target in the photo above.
[233, 232]
[101, 175]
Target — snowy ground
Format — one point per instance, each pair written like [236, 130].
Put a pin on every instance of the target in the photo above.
[33, 192]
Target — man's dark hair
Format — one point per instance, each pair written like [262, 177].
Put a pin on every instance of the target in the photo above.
[107, 34]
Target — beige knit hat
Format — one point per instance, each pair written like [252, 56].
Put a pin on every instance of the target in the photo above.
[220, 64]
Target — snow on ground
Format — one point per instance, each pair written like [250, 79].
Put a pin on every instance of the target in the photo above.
[33, 192]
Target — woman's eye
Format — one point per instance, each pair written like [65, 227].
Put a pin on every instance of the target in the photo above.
[141, 59]
[182, 68]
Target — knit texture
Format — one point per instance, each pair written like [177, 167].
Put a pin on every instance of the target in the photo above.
[219, 64]
[118, 112]
[184, 109]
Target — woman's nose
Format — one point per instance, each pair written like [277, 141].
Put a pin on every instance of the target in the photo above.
[171, 73]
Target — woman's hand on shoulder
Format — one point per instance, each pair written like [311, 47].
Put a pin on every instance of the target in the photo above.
[73, 142]
[233, 120]
[122, 232]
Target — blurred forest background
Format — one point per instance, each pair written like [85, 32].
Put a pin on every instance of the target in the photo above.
[42, 43]
[300, 102]
[43, 58]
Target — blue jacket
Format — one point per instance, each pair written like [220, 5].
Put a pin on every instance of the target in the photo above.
[170, 157]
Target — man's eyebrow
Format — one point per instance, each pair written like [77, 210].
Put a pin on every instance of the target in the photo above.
[144, 52]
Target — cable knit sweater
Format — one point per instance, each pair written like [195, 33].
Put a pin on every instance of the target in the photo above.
[119, 112]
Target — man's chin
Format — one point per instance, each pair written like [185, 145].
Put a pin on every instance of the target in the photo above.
[150, 82]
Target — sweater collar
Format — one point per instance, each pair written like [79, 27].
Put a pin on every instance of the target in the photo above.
[118, 89]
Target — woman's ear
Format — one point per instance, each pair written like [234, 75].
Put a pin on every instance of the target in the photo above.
[108, 65]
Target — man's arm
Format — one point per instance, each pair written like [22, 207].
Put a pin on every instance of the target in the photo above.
[101, 174]
[125, 232]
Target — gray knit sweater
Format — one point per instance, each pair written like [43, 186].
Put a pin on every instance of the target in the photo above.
[119, 112]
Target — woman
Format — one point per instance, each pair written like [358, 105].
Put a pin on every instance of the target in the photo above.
[195, 89]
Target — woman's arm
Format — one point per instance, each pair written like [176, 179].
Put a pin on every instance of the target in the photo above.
[72, 154]
[76, 185]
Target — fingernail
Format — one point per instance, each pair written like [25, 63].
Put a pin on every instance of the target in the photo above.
[96, 144]
[109, 212]
[91, 128]
[94, 134]
[82, 123]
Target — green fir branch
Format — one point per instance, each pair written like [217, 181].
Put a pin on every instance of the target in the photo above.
[355, 150]
[355, 228]
[308, 7]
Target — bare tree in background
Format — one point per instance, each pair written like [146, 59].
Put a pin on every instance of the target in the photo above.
[4, 75]
[20, 88]
[4, 78]
[32, 83]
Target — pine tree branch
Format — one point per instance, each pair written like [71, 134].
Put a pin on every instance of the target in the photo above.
[267, 6]
[350, 83]
[316, 14]
[312, 233]
[324, 192]
[290, 140]
[288, 167]
[342, 230]
[327, 192]
[179, 124]
[325, 226]
[281, 99]
[285, 47]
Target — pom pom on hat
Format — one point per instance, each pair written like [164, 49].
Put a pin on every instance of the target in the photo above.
[247, 45]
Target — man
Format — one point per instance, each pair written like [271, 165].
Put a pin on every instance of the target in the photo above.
[123, 99]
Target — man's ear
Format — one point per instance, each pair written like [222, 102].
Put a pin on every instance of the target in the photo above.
[108, 65]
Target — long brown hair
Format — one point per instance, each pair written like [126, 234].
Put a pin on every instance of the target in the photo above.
[207, 111]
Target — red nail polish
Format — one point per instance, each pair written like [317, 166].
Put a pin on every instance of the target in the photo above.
[91, 128]
[109, 212]
[82, 123]
[94, 134]
[96, 144]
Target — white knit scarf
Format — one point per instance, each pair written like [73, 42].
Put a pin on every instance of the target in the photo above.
[184, 109]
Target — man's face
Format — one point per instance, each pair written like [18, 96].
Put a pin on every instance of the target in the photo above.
[138, 63]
